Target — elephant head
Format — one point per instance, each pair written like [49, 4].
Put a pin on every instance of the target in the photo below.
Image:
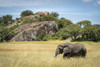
[65, 48]
[59, 50]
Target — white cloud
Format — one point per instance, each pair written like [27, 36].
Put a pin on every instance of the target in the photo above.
[98, 2]
[86, 0]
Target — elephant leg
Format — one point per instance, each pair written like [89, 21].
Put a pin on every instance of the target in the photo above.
[66, 55]
[69, 55]
[83, 54]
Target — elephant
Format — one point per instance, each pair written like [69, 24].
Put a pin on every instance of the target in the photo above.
[71, 50]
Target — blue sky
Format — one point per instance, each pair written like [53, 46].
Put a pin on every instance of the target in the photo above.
[75, 10]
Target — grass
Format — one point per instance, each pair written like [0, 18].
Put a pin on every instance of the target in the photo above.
[41, 54]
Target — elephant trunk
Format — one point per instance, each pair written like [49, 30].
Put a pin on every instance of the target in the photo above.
[57, 52]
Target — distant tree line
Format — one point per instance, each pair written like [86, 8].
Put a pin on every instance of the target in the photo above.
[81, 31]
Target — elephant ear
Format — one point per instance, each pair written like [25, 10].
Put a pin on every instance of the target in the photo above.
[66, 50]
[67, 45]
[60, 47]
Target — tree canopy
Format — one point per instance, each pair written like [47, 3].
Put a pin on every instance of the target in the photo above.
[5, 20]
[55, 14]
[62, 22]
[26, 13]
[84, 23]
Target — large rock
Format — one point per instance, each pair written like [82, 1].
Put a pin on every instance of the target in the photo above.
[42, 13]
[30, 32]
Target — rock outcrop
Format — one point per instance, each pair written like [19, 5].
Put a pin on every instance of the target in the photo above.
[29, 32]
[37, 15]
[30, 17]
[42, 13]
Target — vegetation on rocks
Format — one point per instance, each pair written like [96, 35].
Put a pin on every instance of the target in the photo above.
[81, 31]
[26, 13]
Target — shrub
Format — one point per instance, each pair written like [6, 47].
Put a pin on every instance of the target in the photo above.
[47, 18]
[6, 34]
[26, 13]
[40, 37]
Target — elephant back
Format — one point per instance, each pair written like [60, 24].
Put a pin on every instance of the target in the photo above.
[78, 47]
[67, 45]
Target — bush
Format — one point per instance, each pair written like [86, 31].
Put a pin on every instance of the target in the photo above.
[62, 34]
[47, 18]
[43, 37]
[51, 37]
[26, 13]
[47, 37]
[40, 37]
[6, 34]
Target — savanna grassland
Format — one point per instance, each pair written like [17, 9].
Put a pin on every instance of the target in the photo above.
[41, 54]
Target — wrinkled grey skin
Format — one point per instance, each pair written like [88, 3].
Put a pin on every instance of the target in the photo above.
[71, 50]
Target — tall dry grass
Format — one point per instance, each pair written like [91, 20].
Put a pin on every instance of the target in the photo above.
[41, 54]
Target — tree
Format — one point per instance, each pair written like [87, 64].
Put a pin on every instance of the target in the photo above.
[55, 14]
[63, 22]
[62, 34]
[6, 34]
[92, 32]
[26, 13]
[84, 23]
[71, 30]
[5, 20]
[97, 32]
[74, 31]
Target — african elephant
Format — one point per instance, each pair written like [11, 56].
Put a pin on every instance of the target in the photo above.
[71, 50]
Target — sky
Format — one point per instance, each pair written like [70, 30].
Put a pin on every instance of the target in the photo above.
[74, 10]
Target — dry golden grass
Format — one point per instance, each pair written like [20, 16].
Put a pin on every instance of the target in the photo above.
[41, 54]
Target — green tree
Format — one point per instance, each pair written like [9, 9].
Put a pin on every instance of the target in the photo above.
[74, 31]
[92, 32]
[97, 31]
[84, 23]
[55, 14]
[62, 34]
[5, 20]
[71, 30]
[26, 13]
[6, 34]
[63, 22]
